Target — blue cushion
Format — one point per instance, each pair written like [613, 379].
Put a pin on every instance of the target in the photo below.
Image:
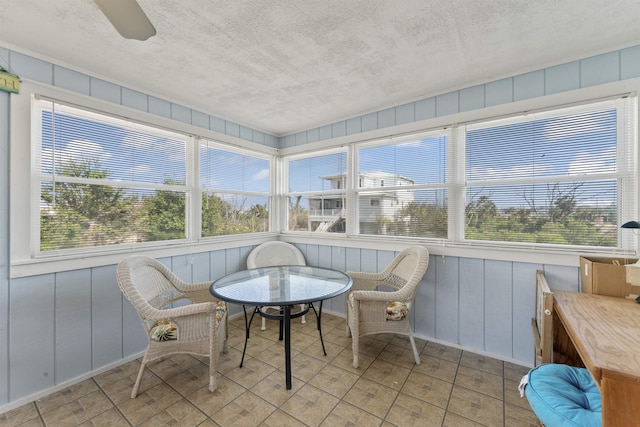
[563, 396]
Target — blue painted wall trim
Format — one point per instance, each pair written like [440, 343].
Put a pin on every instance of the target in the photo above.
[606, 68]
[44, 72]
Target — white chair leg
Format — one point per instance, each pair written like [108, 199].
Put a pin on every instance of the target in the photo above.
[136, 386]
[264, 324]
[415, 350]
[354, 346]
[213, 362]
[302, 307]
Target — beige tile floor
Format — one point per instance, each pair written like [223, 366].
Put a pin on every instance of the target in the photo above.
[450, 387]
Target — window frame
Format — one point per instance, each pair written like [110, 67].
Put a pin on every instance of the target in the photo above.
[456, 184]
[626, 170]
[19, 137]
[285, 193]
[39, 178]
[199, 189]
[25, 133]
[400, 139]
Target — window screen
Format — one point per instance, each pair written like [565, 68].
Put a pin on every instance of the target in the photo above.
[106, 180]
[551, 178]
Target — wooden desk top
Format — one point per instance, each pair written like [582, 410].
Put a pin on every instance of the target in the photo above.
[605, 331]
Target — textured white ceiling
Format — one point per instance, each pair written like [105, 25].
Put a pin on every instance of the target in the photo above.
[282, 66]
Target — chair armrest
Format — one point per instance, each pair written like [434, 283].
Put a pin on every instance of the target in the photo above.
[200, 295]
[365, 281]
[403, 294]
[196, 292]
[366, 276]
[154, 314]
[191, 287]
[380, 295]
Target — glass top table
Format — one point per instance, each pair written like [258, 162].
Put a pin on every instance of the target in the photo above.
[285, 287]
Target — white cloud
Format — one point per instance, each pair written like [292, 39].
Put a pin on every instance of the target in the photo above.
[413, 143]
[517, 171]
[590, 163]
[565, 127]
[262, 175]
[78, 151]
[140, 170]
[173, 149]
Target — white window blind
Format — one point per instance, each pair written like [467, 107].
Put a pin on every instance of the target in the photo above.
[562, 177]
[403, 187]
[235, 191]
[317, 192]
[106, 180]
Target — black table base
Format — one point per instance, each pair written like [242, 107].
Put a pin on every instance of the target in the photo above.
[284, 318]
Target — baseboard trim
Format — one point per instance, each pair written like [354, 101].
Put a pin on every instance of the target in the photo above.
[43, 393]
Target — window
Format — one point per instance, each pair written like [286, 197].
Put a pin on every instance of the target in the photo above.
[550, 178]
[316, 200]
[106, 181]
[565, 177]
[403, 187]
[235, 191]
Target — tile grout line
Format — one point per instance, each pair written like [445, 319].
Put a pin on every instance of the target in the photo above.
[453, 384]
[380, 374]
[110, 400]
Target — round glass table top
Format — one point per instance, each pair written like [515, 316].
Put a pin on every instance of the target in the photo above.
[284, 285]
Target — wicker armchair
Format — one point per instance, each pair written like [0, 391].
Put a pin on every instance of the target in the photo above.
[272, 254]
[199, 328]
[370, 311]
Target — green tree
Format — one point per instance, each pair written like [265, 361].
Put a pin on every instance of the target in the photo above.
[384, 224]
[82, 215]
[298, 216]
[519, 219]
[257, 218]
[219, 217]
[61, 228]
[554, 233]
[561, 203]
[421, 220]
[560, 221]
[479, 212]
[164, 214]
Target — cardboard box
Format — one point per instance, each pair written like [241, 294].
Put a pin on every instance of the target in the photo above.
[633, 274]
[606, 276]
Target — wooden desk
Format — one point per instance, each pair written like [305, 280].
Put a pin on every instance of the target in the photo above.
[606, 334]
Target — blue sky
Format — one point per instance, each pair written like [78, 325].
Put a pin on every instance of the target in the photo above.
[141, 154]
[577, 144]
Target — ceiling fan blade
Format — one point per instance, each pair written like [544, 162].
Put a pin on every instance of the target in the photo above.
[128, 18]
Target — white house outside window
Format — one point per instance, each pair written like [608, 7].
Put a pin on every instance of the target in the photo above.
[316, 196]
[403, 186]
[562, 178]
[565, 177]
